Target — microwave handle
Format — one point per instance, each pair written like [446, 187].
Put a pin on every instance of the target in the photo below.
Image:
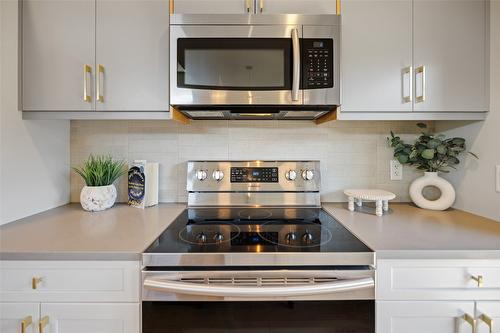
[296, 65]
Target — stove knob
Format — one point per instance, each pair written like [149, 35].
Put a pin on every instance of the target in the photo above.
[201, 175]
[290, 237]
[308, 174]
[218, 237]
[291, 175]
[201, 238]
[218, 175]
[307, 238]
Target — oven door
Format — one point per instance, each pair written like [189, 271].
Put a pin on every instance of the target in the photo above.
[235, 65]
[281, 301]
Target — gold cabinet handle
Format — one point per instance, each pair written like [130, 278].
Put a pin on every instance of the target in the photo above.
[27, 321]
[419, 98]
[35, 281]
[100, 84]
[471, 321]
[479, 279]
[171, 6]
[407, 78]
[248, 5]
[488, 321]
[42, 323]
[87, 72]
[261, 6]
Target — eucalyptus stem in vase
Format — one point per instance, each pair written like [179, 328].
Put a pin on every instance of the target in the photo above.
[431, 153]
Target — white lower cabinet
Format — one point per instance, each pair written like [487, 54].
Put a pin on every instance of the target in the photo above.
[487, 314]
[421, 316]
[91, 317]
[13, 316]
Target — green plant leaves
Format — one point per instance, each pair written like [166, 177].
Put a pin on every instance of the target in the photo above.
[428, 154]
[101, 170]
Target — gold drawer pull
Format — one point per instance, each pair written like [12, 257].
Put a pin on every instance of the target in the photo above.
[471, 321]
[27, 321]
[479, 279]
[43, 322]
[35, 281]
[488, 321]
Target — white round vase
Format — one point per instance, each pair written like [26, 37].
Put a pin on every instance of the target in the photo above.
[446, 199]
[98, 198]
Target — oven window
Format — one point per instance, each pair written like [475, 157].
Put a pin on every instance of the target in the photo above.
[234, 63]
[259, 317]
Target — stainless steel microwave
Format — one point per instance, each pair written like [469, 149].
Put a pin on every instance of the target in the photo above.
[254, 66]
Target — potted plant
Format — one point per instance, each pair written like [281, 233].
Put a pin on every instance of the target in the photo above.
[431, 154]
[99, 174]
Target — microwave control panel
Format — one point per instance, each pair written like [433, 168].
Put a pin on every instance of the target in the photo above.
[317, 56]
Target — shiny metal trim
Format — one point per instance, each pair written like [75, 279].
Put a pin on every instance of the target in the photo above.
[245, 19]
[259, 259]
[254, 199]
[249, 285]
[296, 65]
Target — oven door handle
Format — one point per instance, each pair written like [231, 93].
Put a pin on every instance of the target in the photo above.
[255, 292]
[296, 65]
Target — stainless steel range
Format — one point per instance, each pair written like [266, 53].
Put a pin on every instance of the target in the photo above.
[254, 234]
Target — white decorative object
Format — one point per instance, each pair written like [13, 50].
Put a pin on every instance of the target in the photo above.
[98, 198]
[380, 197]
[432, 179]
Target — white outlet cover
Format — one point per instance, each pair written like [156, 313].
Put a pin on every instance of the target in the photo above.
[396, 170]
[498, 178]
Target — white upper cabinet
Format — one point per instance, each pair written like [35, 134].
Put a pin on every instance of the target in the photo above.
[58, 55]
[132, 55]
[213, 6]
[376, 49]
[296, 6]
[15, 316]
[450, 42]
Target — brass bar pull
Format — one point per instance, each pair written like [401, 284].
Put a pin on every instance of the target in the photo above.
[171, 6]
[407, 76]
[337, 7]
[27, 321]
[479, 279]
[35, 281]
[488, 321]
[99, 84]
[87, 72]
[261, 6]
[471, 321]
[248, 5]
[43, 322]
[420, 72]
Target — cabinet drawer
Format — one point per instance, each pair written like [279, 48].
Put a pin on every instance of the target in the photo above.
[438, 279]
[69, 281]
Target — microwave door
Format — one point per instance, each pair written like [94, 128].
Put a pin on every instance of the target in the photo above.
[235, 65]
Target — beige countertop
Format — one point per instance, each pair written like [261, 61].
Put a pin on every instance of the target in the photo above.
[123, 233]
[68, 232]
[411, 232]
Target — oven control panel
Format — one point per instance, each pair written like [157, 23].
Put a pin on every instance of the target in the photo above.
[254, 175]
[317, 55]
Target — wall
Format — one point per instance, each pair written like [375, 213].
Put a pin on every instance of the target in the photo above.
[34, 155]
[475, 179]
[352, 154]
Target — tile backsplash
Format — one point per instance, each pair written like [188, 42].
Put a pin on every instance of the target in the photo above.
[352, 154]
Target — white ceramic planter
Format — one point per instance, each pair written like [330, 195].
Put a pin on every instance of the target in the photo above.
[432, 179]
[98, 198]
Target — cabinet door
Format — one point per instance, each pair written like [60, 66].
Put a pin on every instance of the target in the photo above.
[485, 312]
[13, 314]
[376, 48]
[296, 6]
[213, 6]
[428, 317]
[132, 55]
[449, 40]
[58, 42]
[88, 317]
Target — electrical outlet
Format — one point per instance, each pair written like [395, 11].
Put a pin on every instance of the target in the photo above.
[396, 170]
[498, 178]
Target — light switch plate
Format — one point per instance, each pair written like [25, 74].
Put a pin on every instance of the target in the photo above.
[396, 170]
[497, 173]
